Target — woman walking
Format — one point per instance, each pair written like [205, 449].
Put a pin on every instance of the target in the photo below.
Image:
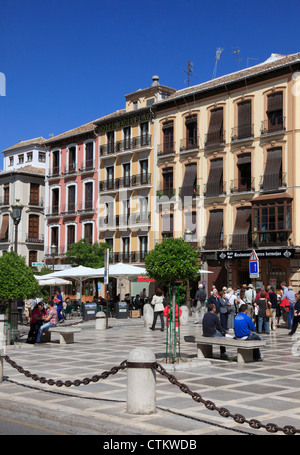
[157, 303]
[263, 320]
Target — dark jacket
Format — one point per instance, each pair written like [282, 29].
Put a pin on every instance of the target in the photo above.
[210, 324]
[200, 295]
[216, 301]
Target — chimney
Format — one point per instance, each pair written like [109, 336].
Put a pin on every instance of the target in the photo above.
[155, 82]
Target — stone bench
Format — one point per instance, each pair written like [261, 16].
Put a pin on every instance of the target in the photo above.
[244, 348]
[66, 334]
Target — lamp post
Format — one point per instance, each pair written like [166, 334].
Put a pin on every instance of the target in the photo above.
[53, 253]
[188, 238]
[16, 214]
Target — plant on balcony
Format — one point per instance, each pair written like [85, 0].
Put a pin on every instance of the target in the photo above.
[82, 253]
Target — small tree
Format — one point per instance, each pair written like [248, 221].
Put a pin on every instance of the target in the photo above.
[82, 253]
[172, 260]
[17, 280]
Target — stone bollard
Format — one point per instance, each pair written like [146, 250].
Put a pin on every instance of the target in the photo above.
[184, 318]
[148, 314]
[100, 321]
[141, 382]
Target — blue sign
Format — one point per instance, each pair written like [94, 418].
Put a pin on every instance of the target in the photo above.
[253, 267]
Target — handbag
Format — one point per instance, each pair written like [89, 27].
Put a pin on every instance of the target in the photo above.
[269, 313]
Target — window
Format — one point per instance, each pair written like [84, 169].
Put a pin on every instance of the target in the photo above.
[215, 129]
[189, 184]
[54, 236]
[34, 194]
[42, 157]
[168, 137]
[144, 133]
[272, 220]
[71, 198]
[214, 186]
[272, 179]
[72, 159]
[6, 194]
[244, 173]
[167, 225]
[70, 235]
[126, 174]
[55, 162]
[110, 177]
[167, 182]
[89, 155]
[88, 195]
[244, 120]
[144, 171]
[127, 136]
[110, 142]
[274, 112]
[135, 105]
[55, 201]
[32, 257]
[20, 159]
[143, 247]
[191, 132]
[88, 232]
[11, 161]
[126, 242]
[214, 235]
[33, 227]
[4, 228]
[242, 229]
[29, 156]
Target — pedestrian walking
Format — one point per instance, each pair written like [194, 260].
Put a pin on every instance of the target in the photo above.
[232, 299]
[250, 296]
[263, 321]
[158, 307]
[200, 298]
[273, 300]
[296, 315]
[291, 296]
[223, 309]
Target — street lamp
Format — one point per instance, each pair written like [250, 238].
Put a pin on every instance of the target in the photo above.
[16, 216]
[53, 253]
[188, 238]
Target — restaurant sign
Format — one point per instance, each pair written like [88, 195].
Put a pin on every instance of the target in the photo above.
[261, 254]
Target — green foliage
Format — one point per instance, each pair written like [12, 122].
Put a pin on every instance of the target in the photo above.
[44, 270]
[172, 260]
[16, 278]
[81, 253]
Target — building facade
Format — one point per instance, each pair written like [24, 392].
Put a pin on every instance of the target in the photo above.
[23, 182]
[227, 160]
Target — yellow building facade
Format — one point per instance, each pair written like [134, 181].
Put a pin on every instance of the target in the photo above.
[227, 155]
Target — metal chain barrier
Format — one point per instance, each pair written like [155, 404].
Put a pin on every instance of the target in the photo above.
[238, 418]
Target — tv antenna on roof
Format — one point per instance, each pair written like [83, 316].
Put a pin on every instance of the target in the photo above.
[218, 54]
[236, 51]
[189, 72]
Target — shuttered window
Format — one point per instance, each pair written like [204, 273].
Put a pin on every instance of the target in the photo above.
[275, 112]
[215, 129]
[189, 180]
[241, 231]
[34, 193]
[244, 119]
[273, 170]
[33, 228]
[88, 233]
[4, 228]
[214, 235]
[70, 235]
[214, 185]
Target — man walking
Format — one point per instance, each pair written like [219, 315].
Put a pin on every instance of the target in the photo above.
[291, 296]
[200, 306]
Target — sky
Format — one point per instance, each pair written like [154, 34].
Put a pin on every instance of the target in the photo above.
[68, 62]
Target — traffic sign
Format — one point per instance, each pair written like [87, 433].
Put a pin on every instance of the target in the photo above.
[253, 265]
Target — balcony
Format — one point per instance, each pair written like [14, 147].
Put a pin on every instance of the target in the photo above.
[216, 189]
[242, 132]
[5, 240]
[39, 239]
[274, 182]
[215, 139]
[128, 257]
[195, 191]
[189, 144]
[87, 166]
[129, 182]
[69, 209]
[36, 202]
[85, 207]
[53, 211]
[54, 173]
[166, 194]
[4, 201]
[166, 149]
[243, 185]
[266, 239]
[70, 169]
[213, 243]
[273, 125]
[125, 146]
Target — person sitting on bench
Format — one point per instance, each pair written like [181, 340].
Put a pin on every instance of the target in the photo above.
[50, 320]
[211, 327]
[244, 328]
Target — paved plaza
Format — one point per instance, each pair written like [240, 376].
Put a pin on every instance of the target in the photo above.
[268, 391]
